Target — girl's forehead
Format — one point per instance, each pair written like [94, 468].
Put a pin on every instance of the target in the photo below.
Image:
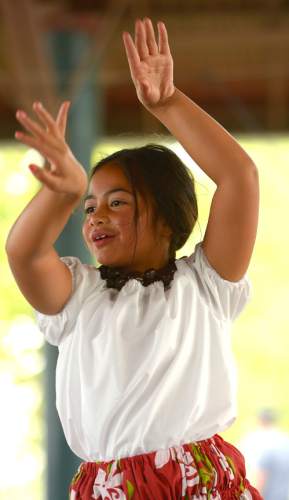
[106, 181]
[108, 174]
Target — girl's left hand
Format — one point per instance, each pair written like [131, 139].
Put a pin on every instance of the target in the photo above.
[151, 64]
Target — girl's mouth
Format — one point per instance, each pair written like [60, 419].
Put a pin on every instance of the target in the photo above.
[103, 241]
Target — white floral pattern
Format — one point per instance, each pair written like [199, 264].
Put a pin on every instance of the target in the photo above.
[72, 495]
[224, 463]
[246, 495]
[110, 488]
[190, 476]
[215, 495]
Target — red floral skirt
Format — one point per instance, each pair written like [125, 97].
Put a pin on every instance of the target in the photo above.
[208, 469]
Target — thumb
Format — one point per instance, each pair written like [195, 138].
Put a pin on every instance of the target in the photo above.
[147, 96]
[41, 174]
[34, 169]
[145, 86]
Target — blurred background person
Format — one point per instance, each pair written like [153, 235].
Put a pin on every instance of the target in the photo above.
[266, 450]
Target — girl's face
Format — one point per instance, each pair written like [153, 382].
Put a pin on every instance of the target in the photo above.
[109, 209]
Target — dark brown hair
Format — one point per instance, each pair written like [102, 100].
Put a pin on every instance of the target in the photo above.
[158, 174]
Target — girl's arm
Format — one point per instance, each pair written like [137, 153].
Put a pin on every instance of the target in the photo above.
[42, 277]
[231, 230]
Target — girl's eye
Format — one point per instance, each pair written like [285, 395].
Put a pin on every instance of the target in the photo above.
[117, 201]
[87, 209]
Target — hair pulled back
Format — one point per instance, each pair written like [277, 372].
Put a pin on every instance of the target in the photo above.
[158, 174]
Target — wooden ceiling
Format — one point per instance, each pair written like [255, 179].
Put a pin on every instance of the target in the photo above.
[230, 59]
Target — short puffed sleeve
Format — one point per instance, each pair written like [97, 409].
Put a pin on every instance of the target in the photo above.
[226, 298]
[56, 327]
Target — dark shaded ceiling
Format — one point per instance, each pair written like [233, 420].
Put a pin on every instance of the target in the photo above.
[230, 57]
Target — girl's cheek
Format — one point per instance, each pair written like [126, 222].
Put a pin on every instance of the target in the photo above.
[125, 217]
[85, 230]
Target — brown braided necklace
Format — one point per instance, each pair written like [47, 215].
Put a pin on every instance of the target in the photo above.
[116, 277]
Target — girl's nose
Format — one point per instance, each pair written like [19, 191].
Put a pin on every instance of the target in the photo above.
[95, 218]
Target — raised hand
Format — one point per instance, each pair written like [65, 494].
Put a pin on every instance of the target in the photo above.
[64, 173]
[150, 63]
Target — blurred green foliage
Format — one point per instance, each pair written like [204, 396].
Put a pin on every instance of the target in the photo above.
[22, 453]
[259, 336]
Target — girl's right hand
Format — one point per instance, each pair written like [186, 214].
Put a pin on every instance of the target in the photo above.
[64, 174]
[151, 63]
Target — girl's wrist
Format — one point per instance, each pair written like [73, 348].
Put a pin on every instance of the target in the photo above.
[162, 107]
[69, 199]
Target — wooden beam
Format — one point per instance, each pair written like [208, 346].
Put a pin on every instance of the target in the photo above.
[30, 69]
[99, 45]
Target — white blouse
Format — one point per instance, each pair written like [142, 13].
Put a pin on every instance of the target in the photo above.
[143, 369]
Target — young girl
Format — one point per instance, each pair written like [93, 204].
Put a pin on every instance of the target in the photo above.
[145, 376]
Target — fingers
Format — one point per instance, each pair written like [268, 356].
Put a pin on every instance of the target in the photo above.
[150, 37]
[140, 39]
[145, 40]
[131, 53]
[29, 124]
[50, 152]
[39, 137]
[45, 117]
[164, 47]
[145, 44]
[44, 176]
[61, 119]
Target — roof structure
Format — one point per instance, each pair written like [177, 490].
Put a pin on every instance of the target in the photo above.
[229, 57]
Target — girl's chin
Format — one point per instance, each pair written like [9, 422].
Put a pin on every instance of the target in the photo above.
[106, 258]
[110, 260]
[108, 255]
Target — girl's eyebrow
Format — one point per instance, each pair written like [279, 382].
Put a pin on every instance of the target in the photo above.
[91, 196]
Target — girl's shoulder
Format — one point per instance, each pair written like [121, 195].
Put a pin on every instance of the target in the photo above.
[85, 282]
[79, 269]
[86, 278]
[199, 263]
[225, 298]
